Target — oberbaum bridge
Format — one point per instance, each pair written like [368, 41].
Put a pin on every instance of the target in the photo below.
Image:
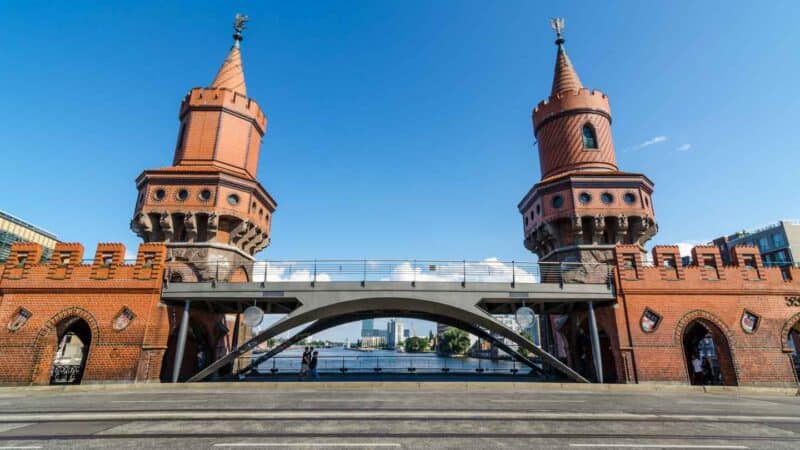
[607, 313]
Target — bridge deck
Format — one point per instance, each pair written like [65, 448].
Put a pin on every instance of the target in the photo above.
[285, 296]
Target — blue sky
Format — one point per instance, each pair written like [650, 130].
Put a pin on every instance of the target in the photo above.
[401, 129]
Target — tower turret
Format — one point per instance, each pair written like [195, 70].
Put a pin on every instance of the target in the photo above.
[583, 206]
[208, 206]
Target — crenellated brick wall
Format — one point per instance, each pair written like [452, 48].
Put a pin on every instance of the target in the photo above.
[65, 288]
[715, 295]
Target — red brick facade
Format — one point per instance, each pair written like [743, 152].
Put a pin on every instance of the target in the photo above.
[713, 295]
[65, 290]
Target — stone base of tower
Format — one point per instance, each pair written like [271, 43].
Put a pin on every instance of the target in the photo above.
[205, 262]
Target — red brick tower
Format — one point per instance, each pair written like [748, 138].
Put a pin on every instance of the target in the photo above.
[583, 206]
[208, 206]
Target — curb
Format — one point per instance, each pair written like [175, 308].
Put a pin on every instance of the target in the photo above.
[289, 386]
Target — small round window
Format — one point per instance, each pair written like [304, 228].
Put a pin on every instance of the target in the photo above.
[585, 197]
[159, 194]
[629, 198]
[233, 199]
[205, 195]
[606, 198]
[183, 194]
[558, 201]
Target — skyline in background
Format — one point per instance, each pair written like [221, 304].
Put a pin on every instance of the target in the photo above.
[401, 130]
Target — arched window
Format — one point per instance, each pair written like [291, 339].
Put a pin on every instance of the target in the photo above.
[589, 138]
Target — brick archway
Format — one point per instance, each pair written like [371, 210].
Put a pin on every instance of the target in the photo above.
[792, 353]
[787, 327]
[723, 342]
[46, 341]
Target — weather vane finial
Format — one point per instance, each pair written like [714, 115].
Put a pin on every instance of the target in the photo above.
[557, 24]
[238, 26]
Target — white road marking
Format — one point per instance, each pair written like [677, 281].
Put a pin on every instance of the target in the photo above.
[618, 445]
[13, 426]
[159, 401]
[373, 414]
[20, 447]
[731, 403]
[533, 401]
[310, 444]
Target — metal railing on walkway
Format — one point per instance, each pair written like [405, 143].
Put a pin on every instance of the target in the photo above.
[412, 271]
[387, 364]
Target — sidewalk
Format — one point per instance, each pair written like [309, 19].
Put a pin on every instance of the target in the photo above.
[444, 386]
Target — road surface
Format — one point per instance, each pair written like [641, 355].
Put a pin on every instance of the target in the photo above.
[394, 415]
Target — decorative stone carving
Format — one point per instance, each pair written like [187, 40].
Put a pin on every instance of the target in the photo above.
[142, 226]
[622, 229]
[165, 223]
[577, 228]
[213, 226]
[599, 223]
[190, 226]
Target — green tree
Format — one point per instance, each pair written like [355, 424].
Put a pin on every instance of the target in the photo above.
[454, 342]
[523, 351]
[417, 344]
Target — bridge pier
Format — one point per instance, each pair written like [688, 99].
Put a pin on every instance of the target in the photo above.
[594, 336]
[183, 331]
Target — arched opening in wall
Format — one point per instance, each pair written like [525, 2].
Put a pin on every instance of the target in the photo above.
[583, 356]
[793, 343]
[202, 344]
[708, 356]
[74, 337]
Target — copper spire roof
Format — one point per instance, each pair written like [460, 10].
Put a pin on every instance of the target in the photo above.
[231, 74]
[565, 78]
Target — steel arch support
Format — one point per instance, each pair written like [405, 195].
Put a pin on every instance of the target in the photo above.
[322, 325]
[470, 315]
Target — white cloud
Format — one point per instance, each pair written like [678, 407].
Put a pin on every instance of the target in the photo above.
[684, 147]
[649, 142]
[488, 270]
[686, 247]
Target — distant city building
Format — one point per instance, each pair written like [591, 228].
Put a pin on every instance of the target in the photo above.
[372, 342]
[406, 333]
[394, 333]
[368, 329]
[778, 243]
[14, 229]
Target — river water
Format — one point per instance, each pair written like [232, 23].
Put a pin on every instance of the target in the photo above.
[354, 361]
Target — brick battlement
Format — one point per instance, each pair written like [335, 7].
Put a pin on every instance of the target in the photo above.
[118, 303]
[224, 98]
[66, 269]
[564, 101]
[746, 276]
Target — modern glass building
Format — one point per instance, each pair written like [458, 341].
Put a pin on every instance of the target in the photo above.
[778, 243]
[14, 229]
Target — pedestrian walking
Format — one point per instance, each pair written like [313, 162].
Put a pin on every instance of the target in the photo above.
[313, 366]
[708, 371]
[697, 370]
[304, 363]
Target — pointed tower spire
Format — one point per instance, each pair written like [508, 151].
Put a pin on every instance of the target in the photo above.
[231, 74]
[565, 78]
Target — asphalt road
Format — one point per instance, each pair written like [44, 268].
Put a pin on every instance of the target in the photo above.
[309, 415]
